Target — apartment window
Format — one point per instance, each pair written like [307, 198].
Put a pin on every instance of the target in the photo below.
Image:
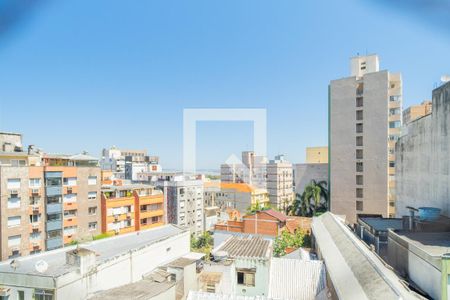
[92, 210]
[13, 184]
[18, 163]
[21, 295]
[359, 141]
[359, 193]
[359, 115]
[391, 151]
[52, 234]
[393, 137]
[359, 167]
[92, 226]
[394, 111]
[391, 164]
[92, 180]
[359, 128]
[127, 223]
[35, 236]
[155, 219]
[359, 102]
[35, 218]
[14, 202]
[359, 180]
[53, 199]
[14, 241]
[394, 98]
[53, 181]
[54, 217]
[70, 230]
[70, 198]
[70, 213]
[92, 195]
[395, 124]
[210, 287]
[360, 89]
[34, 182]
[181, 191]
[70, 181]
[359, 153]
[13, 221]
[43, 294]
[359, 206]
[246, 277]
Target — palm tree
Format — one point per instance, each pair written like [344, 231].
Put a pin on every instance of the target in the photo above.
[323, 185]
[312, 192]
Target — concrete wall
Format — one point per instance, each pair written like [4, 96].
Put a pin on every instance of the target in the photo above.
[423, 159]
[304, 173]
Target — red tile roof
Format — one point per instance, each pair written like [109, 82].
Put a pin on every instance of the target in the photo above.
[276, 214]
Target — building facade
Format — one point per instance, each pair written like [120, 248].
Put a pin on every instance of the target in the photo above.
[47, 201]
[240, 196]
[417, 111]
[280, 182]
[183, 198]
[129, 208]
[305, 173]
[365, 116]
[423, 159]
[317, 155]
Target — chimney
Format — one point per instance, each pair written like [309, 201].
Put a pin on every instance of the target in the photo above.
[82, 258]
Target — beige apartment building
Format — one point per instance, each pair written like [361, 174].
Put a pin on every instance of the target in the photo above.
[415, 112]
[280, 181]
[47, 201]
[365, 116]
[317, 155]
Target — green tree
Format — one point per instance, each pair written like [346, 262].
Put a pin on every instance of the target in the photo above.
[290, 240]
[310, 203]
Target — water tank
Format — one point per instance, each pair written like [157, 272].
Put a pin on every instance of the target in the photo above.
[429, 214]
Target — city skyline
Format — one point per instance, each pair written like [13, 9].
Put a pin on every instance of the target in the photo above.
[148, 70]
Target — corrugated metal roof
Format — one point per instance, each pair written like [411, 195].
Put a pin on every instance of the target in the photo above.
[247, 246]
[296, 279]
[211, 296]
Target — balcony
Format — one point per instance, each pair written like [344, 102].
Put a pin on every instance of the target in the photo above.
[70, 205]
[35, 227]
[151, 213]
[54, 208]
[35, 192]
[54, 243]
[154, 199]
[53, 190]
[53, 225]
[70, 221]
[34, 209]
[70, 190]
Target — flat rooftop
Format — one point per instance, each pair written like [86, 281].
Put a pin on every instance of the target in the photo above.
[105, 249]
[435, 243]
[383, 224]
[142, 290]
[246, 247]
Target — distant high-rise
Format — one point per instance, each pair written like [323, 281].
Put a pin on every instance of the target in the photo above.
[415, 112]
[317, 155]
[365, 112]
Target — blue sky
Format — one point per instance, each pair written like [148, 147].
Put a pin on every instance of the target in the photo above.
[83, 75]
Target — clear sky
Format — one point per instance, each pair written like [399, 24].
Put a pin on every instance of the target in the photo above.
[83, 75]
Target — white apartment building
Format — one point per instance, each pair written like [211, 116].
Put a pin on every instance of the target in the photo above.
[280, 182]
[183, 197]
[92, 269]
[364, 123]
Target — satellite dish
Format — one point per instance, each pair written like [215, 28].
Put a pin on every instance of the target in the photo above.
[14, 264]
[41, 266]
[445, 78]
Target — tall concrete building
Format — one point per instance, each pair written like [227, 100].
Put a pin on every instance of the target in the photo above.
[417, 111]
[183, 198]
[365, 116]
[47, 201]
